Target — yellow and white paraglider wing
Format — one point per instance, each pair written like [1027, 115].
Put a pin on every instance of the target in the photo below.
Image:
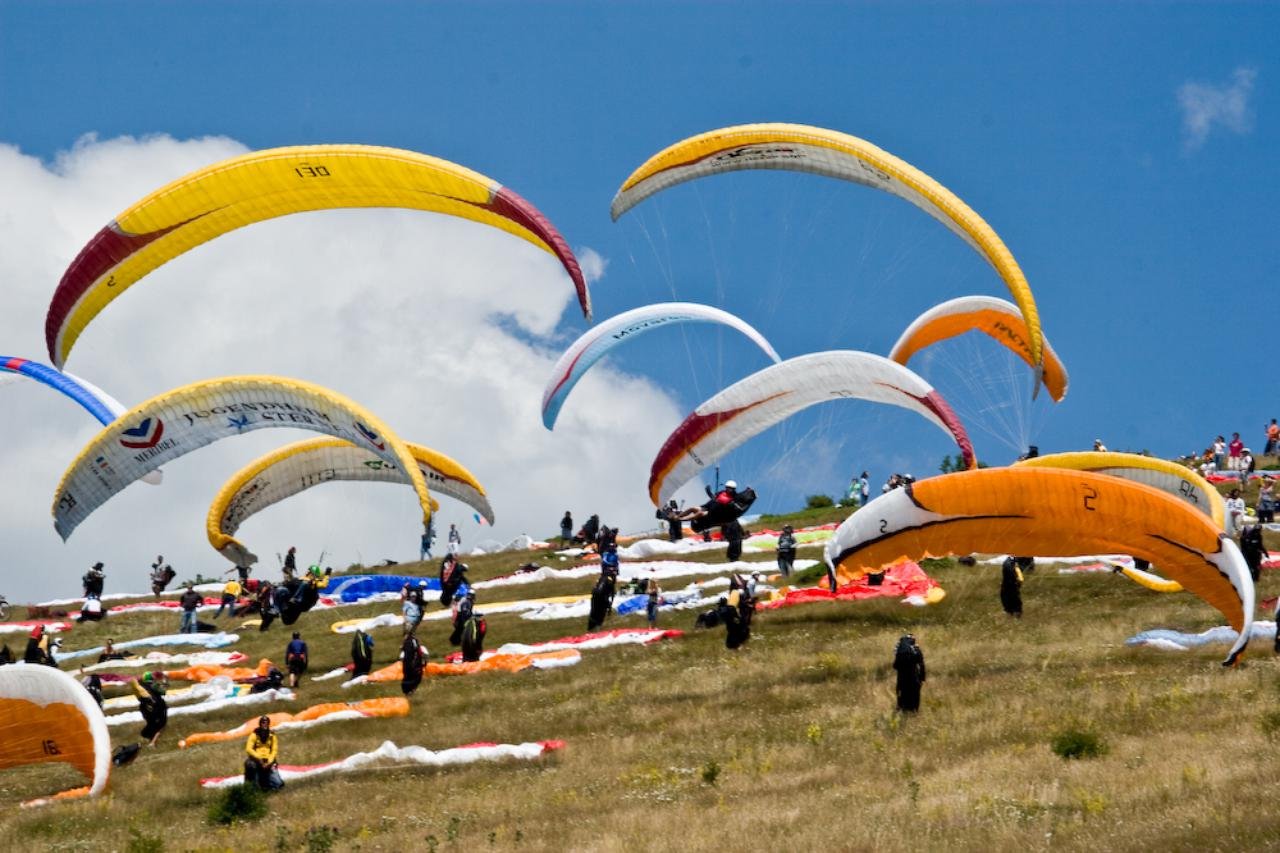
[769, 396]
[297, 467]
[265, 184]
[1170, 477]
[177, 422]
[46, 716]
[1043, 511]
[801, 148]
[994, 317]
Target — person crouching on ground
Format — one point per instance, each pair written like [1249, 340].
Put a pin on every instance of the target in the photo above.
[260, 764]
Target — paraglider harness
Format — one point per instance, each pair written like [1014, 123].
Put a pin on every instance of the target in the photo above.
[161, 577]
[93, 581]
[717, 512]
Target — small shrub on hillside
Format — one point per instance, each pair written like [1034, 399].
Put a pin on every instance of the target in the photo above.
[239, 802]
[818, 502]
[320, 839]
[710, 772]
[849, 503]
[1078, 743]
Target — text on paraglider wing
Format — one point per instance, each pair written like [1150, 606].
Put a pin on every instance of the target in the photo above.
[50, 747]
[270, 411]
[305, 170]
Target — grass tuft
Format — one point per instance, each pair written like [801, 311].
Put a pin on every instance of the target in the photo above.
[1078, 743]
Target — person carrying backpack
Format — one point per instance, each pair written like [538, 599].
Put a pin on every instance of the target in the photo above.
[473, 631]
[361, 654]
[413, 660]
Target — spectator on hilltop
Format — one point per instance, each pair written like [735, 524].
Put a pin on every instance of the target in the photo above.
[1235, 449]
[1273, 439]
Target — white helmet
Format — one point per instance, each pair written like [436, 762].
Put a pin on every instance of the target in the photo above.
[730, 484]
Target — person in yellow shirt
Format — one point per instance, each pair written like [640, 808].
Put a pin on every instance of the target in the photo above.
[230, 592]
[260, 764]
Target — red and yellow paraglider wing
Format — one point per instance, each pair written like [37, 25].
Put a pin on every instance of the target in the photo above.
[266, 184]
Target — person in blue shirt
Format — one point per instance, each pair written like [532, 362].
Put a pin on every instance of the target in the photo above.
[295, 658]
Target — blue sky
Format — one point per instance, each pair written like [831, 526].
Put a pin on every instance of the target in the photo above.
[1126, 155]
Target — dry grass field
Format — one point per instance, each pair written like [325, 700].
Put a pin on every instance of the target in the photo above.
[790, 743]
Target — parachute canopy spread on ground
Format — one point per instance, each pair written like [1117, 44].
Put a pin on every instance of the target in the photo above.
[262, 185]
[801, 148]
[1177, 480]
[91, 398]
[769, 396]
[177, 422]
[297, 467]
[1046, 511]
[596, 343]
[990, 315]
[46, 716]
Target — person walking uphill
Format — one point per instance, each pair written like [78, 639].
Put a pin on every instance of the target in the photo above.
[908, 660]
[230, 592]
[296, 658]
[150, 690]
[261, 763]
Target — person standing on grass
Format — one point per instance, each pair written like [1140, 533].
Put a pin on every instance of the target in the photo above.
[1235, 512]
[413, 660]
[1220, 454]
[1252, 548]
[1235, 449]
[786, 551]
[428, 539]
[654, 591]
[566, 528]
[189, 602]
[1266, 501]
[361, 654]
[455, 540]
[908, 661]
[1011, 587]
[1273, 439]
[414, 603]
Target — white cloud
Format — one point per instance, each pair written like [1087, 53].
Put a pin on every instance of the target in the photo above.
[442, 327]
[593, 264]
[1206, 106]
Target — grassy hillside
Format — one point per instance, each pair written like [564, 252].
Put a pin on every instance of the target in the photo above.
[788, 744]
